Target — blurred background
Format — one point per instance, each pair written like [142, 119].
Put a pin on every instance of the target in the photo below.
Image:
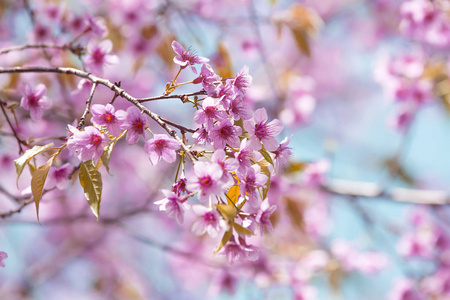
[362, 90]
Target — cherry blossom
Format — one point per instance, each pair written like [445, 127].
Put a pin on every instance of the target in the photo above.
[263, 132]
[3, 256]
[34, 100]
[186, 57]
[88, 143]
[105, 115]
[161, 147]
[134, 122]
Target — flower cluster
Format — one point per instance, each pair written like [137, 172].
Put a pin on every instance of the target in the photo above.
[428, 241]
[403, 79]
[237, 154]
[234, 154]
[426, 21]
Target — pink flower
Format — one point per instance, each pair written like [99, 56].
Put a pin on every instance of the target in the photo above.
[3, 256]
[180, 186]
[106, 116]
[98, 55]
[173, 205]
[263, 216]
[133, 121]
[208, 79]
[438, 283]
[283, 153]
[41, 33]
[210, 112]
[205, 180]
[87, 144]
[298, 110]
[403, 118]
[226, 93]
[228, 165]
[421, 244]
[243, 156]
[201, 136]
[250, 181]
[238, 110]
[314, 173]
[263, 132]
[237, 252]
[186, 58]
[404, 289]
[161, 147]
[59, 176]
[417, 92]
[225, 133]
[370, 262]
[96, 25]
[210, 221]
[243, 80]
[34, 100]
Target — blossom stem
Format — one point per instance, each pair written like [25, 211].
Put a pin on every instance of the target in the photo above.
[182, 97]
[183, 83]
[178, 170]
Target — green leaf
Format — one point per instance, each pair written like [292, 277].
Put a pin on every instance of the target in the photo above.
[266, 189]
[265, 170]
[227, 211]
[242, 230]
[106, 156]
[27, 156]
[266, 155]
[226, 237]
[91, 181]
[38, 181]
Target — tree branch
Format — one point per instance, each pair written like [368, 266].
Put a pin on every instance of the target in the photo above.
[37, 46]
[97, 80]
[374, 190]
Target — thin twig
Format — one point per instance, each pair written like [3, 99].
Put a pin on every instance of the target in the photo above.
[19, 140]
[375, 190]
[181, 97]
[180, 127]
[88, 106]
[35, 46]
[17, 209]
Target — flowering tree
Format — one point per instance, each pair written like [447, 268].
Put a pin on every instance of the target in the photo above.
[213, 143]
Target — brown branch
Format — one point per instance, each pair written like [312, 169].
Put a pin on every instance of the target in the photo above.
[374, 190]
[88, 106]
[180, 127]
[16, 210]
[36, 46]
[121, 92]
[19, 140]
